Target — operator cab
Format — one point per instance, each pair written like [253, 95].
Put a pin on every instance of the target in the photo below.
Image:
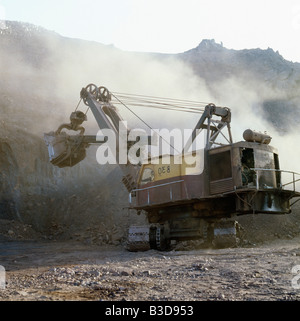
[250, 170]
[255, 158]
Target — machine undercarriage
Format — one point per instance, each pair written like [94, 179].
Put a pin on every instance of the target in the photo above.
[212, 233]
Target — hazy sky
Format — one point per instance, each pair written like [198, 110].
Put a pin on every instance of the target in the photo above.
[169, 26]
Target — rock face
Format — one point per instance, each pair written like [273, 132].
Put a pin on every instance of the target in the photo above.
[213, 61]
[265, 72]
[41, 76]
[9, 171]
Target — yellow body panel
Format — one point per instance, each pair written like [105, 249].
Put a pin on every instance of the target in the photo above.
[169, 166]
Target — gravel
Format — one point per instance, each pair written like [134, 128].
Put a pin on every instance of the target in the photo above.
[68, 272]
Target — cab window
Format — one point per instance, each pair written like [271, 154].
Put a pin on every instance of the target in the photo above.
[148, 176]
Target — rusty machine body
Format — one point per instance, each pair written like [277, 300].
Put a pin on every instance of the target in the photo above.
[183, 201]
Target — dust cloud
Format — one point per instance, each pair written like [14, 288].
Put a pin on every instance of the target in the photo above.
[246, 97]
[80, 63]
[132, 73]
[167, 76]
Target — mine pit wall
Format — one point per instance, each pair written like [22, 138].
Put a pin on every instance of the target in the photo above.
[9, 192]
[70, 200]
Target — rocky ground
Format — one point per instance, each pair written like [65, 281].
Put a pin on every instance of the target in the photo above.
[74, 271]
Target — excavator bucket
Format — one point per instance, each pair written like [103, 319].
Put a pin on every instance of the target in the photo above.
[63, 150]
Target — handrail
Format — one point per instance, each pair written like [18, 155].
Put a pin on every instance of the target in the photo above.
[143, 189]
[277, 170]
[273, 170]
[156, 186]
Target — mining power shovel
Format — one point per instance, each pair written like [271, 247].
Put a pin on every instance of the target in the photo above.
[183, 201]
